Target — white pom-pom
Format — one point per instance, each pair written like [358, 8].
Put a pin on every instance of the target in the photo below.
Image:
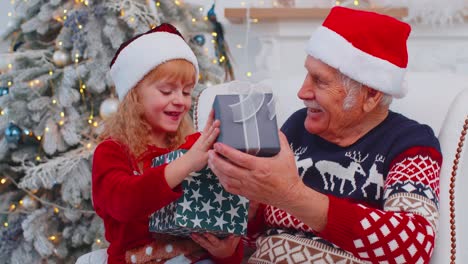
[149, 251]
[133, 259]
[108, 107]
[169, 248]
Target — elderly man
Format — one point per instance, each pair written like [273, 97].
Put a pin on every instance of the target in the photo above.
[353, 182]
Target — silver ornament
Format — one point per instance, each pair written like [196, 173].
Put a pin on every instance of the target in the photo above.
[108, 107]
[61, 58]
[29, 203]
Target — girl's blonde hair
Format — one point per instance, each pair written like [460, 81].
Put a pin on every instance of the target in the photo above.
[129, 126]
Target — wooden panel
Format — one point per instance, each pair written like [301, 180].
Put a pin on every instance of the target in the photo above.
[237, 15]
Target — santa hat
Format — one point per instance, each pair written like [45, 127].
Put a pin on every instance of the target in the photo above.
[141, 54]
[365, 46]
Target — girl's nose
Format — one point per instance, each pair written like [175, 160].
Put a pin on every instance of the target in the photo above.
[178, 98]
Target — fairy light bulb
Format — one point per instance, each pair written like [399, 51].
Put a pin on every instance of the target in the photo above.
[5, 224]
[3, 181]
[56, 210]
[356, 2]
[249, 74]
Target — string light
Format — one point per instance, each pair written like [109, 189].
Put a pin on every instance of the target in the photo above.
[3, 181]
[255, 20]
[205, 18]
[242, 3]
[177, 2]
[86, 3]
[20, 202]
[194, 20]
[10, 83]
[2, 112]
[62, 114]
[214, 34]
[38, 158]
[158, 4]
[51, 73]
[56, 210]
[89, 145]
[132, 19]
[52, 238]
[5, 224]
[47, 129]
[39, 138]
[12, 207]
[215, 61]
[64, 17]
[356, 2]
[201, 9]
[80, 26]
[98, 241]
[95, 124]
[60, 43]
[61, 123]
[64, 11]
[249, 74]
[9, 14]
[10, 65]
[337, 3]
[239, 46]
[54, 101]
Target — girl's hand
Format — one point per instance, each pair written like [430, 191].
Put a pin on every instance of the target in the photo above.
[198, 154]
[253, 207]
[220, 248]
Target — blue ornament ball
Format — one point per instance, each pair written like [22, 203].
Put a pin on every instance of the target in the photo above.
[3, 91]
[199, 40]
[13, 134]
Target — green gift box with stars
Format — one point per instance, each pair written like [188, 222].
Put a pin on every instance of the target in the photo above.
[204, 206]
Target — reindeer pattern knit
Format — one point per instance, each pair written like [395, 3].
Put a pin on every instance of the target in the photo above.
[383, 192]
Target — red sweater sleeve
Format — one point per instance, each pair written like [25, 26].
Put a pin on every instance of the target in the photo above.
[404, 231]
[120, 193]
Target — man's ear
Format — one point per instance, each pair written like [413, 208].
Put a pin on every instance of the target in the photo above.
[372, 99]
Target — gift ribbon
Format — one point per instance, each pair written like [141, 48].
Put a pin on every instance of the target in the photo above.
[245, 112]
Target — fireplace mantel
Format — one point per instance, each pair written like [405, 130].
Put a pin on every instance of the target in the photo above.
[238, 15]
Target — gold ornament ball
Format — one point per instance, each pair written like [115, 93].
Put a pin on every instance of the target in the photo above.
[108, 107]
[29, 203]
[61, 58]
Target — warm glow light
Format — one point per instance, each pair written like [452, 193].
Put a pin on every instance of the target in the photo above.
[10, 65]
[64, 17]
[62, 114]
[337, 3]
[56, 210]
[89, 145]
[132, 19]
[60, 43]
[98, 241]
[86, 3]
[158, 3]
[83, 86]
[248, 74]
[9, 14]
[3, 181]
[46, 129]
[80, 26]
[90, 121]
[36, 81]
[38, 158]
[12, 207]
[64, 11]
[205, 18]
[20, 202]
[255, 20]
[39, 137]
[52, 238]
[5, 224]
[54, 101]
[242, 3]
[215, 61]
[61, 123]
[201, 9]
[10, 83]
[51, 73]
[95, 124]
[2, 112]
[177, 2]
[356, 2]
[214, 34]
[194, 20]
[239, 46]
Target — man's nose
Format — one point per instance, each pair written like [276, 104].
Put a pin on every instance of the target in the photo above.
[306, 91]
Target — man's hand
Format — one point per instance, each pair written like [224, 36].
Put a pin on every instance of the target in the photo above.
[220, 248]
[267, 180]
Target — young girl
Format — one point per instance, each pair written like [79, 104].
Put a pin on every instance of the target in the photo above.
[154, 75]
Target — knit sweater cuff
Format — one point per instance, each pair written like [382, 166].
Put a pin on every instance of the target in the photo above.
[340, 214]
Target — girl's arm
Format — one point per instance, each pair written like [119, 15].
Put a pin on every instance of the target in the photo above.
[116, 189]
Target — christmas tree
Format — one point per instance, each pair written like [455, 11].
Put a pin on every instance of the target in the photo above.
[54, 94]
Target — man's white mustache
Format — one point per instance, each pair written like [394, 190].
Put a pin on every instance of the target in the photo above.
[313, 104]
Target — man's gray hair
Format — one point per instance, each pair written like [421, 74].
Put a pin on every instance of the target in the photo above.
[353, 88]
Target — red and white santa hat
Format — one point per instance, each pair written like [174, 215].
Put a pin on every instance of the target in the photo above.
[365, 46]
[141, 54]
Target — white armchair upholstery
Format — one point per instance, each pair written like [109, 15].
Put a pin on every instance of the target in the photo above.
[439, 100]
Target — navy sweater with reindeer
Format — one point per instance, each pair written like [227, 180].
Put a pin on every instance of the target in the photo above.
[383, 193]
